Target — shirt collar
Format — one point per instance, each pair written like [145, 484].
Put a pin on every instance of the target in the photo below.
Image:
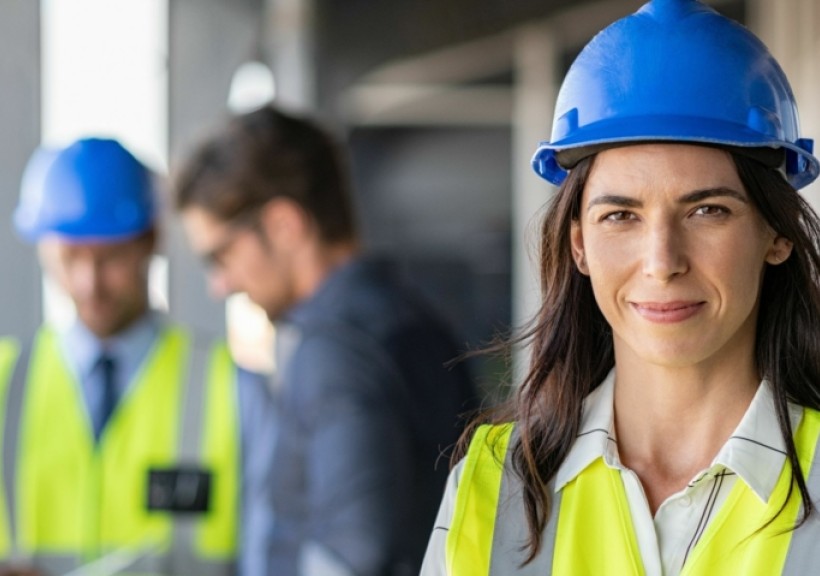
[83, 348]
[596, 436]
[755, 451]
[348, 286]
[331, 288]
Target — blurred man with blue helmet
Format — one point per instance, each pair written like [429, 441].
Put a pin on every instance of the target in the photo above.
[91, 210]
[128, 443]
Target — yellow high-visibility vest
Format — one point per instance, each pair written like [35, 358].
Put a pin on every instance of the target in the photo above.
[8, 355]
[590, 530]
[71, 500]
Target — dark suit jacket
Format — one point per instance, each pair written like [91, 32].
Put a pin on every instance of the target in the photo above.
[367, 407]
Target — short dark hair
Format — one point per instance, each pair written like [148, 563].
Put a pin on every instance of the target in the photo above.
[267, 154]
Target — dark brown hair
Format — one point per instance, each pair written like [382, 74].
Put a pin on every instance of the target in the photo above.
[268, 154]
[572, 348]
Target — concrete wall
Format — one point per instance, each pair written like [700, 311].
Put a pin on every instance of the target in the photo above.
[791, 30]
[438, 200]
[20, 310]
[209, 39]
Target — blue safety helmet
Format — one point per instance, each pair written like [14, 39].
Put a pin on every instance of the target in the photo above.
[93, 190]
[677, 71]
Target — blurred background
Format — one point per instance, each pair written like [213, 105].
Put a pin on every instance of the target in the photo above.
[441, 102]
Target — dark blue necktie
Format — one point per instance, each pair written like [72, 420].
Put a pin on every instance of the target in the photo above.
[107, 370]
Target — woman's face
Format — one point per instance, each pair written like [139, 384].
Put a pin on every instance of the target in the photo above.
[675, 251]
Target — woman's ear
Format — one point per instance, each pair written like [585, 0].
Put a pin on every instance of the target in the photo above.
[577, 244]
[780, 251]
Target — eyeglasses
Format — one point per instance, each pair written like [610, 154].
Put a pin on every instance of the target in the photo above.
[215, 257]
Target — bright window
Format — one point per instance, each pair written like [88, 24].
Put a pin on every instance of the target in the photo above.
[105, 73]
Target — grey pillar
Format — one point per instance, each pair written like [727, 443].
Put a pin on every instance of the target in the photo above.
[536, 58]
[208, 40]
[291, 50]
[791, 30]
[20, 288]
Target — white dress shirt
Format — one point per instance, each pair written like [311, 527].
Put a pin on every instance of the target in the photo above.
[754, 454]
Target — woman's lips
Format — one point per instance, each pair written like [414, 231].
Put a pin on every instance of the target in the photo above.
[667, 312]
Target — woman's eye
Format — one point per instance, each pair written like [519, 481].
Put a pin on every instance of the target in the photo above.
[711, 210]
[619, 216]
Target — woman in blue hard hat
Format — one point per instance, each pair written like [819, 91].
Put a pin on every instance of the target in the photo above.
[669, 418]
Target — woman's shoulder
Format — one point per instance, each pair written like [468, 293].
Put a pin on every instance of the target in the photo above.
[491, 439]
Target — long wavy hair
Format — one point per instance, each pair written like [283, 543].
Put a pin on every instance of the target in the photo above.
[572, 347]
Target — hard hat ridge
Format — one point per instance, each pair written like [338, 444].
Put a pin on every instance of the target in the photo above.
[676, 71]
[93, 189]
[673, 10]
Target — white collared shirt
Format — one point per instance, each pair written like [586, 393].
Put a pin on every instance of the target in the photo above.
[754, 453]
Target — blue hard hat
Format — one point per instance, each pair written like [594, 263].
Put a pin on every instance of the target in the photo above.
[94, 189]
[676, 71]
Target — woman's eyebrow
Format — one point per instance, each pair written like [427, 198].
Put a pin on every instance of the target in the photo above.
[699, 195]
[615, 200]
[689, 198]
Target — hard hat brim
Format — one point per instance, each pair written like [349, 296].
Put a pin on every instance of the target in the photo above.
[802, 167]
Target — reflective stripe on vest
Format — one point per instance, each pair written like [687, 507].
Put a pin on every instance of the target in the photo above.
[129, 563]
[12, 382]
[590, 529]
[477, 502]
[79, 501]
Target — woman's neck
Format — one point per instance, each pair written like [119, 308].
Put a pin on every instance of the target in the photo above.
[672, 421]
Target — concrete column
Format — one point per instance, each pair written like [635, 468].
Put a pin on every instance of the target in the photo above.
[20, 288]
[289, 40]
[208, 41]
[791, 30]
[535, 61]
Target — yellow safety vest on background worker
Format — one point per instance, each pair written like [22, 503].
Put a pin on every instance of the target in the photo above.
[590, 530]
[157, 494]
